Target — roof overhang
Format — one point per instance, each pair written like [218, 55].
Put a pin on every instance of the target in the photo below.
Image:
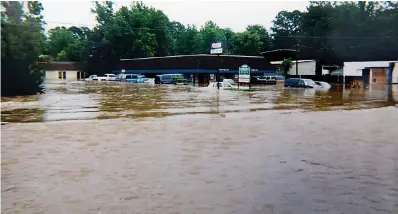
[279, 54]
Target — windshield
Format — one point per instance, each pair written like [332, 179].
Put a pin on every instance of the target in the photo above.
[309, 82]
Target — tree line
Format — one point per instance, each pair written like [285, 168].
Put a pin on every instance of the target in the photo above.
[331, 32]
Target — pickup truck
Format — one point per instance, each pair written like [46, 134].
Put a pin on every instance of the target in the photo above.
[107, 77]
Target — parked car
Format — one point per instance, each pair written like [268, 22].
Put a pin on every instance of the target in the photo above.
[119, 77]
[258, 80]
[148, 80]
[323, 85]
[132, 78]
[230, 81]
[222, 85]
[274, 79]
[168, 78]
[300, 83]
[107, 77]
[91, 78]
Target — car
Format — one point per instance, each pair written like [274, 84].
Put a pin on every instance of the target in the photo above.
[300, 83]
[107, 77]
[323, 85]
[222, 85]
[168, 78]
[91, 78]
[132, 78]
[230, 81]
[258, 80]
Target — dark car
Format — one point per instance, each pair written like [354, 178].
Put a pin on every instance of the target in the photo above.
[168, 78]
[258, 80]
[300, 83]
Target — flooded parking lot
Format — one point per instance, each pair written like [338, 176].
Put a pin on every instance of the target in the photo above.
[125, 148]
[93, 100]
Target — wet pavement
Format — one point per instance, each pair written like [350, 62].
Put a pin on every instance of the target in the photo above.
[125, 148]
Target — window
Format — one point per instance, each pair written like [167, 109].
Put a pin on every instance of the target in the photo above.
[64, 75]
[166, 77]
[59, 75]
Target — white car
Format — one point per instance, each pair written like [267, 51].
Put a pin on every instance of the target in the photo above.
[221, 84]
[323, 85]
[230, 81]
[91, 78]
[108, 77]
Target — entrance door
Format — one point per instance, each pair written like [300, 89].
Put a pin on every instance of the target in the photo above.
[379, 76]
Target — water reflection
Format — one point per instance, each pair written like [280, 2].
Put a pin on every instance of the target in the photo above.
[101, 100]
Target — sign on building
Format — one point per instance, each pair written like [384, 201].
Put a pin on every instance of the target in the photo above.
[244, 74]
[216, 48]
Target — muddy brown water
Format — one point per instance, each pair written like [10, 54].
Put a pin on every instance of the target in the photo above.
[125, 148]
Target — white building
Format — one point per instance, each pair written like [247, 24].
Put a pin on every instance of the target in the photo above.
[377, 70]
[62, 71]
[305, 67]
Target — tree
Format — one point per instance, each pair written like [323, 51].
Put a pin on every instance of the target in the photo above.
[209, 33]
[263, 34]
[286, 65]
[286, 26]
[247, 43]
[21, 43]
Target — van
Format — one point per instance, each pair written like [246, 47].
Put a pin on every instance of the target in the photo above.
[168, 78]
[133, 78]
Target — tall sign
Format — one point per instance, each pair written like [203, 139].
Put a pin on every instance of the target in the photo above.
[216, 48]
[244, 74]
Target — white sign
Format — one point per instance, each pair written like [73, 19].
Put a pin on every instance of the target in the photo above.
[244, 74]
[216, 48]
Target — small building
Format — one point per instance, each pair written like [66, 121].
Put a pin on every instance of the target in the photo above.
[305, 67]
[62, 71]
[372, 72]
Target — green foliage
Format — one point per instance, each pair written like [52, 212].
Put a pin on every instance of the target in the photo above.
[68, 41]
[333, 32]
[21, 44]
[286, 65]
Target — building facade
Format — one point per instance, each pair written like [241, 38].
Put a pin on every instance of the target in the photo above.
[372, 72]
[202, 68]
[62, 71]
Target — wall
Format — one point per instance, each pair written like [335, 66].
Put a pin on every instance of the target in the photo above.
[395, 74]
[304, 68]
[378, 76]
[355, 68]
[53, 75]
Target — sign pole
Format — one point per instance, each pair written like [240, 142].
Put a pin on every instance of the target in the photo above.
[218, 72]
[217, 49]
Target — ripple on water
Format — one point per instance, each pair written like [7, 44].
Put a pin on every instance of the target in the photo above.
[95, 100]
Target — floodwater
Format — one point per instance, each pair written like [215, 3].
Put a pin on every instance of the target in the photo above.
[93, 100]
[127, 148]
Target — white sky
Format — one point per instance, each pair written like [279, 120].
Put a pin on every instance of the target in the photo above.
[226, 13]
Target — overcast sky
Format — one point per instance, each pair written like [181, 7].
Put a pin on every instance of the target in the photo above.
[233, 14]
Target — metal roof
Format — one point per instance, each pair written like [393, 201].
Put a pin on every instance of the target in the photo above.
[193, 55]
[294, 61]
[278, 50]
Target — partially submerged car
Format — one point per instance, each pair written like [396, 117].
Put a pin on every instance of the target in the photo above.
[132, 78]
[300, 83]
[222, 85]
[91, 78]
[107, 77]
[323, 85]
